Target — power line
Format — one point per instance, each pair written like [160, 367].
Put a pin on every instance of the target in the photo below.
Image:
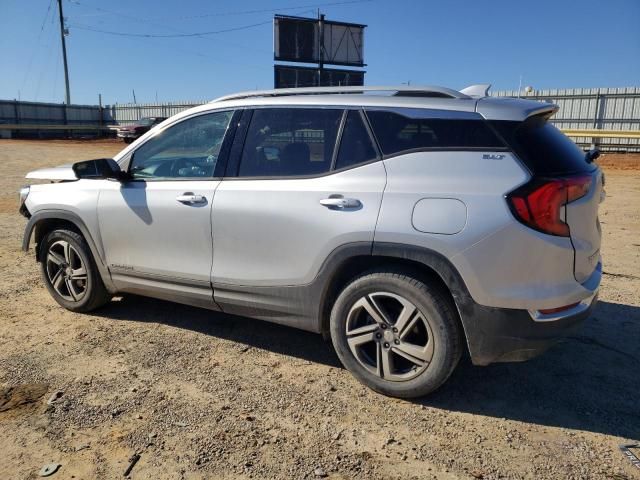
[200, 34]
[163, 26]
[277, 9]
[175, 35]
[47, 61]
[35, 50]
[227, 14]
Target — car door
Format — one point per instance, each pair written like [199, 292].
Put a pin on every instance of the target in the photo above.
[290, 200]
[156, 228]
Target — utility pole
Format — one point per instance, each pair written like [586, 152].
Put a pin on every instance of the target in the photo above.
[320, 46]
[64, 52]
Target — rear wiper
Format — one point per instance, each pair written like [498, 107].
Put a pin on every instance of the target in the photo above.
[591, 155]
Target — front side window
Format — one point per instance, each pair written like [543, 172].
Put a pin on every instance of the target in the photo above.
[283, 142]
[397, 132]
[188, 149]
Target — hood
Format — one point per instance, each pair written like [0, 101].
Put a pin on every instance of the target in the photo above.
[63, 172]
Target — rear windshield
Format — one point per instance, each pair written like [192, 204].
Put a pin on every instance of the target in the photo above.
[543, 148]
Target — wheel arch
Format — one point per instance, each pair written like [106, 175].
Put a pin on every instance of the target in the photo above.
[425, 264]
[45, 221]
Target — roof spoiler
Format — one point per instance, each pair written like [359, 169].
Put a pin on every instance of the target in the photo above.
[479, 90]
[518, 109]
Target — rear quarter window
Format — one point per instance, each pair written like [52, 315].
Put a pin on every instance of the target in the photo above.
[397, 133]
[544, 149]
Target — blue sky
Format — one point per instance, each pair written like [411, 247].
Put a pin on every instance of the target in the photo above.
[551, 43]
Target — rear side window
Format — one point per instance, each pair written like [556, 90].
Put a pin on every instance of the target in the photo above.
[355, 146]
[543, 148]
[398, 133]
[283, 142]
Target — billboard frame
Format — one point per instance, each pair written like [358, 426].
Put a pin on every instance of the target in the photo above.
[317, 71]
[320, 48]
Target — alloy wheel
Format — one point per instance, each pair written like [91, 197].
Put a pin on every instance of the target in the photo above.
[389, 336]
[66, 271]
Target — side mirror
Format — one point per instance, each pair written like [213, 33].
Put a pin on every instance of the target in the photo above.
[592, 155]
[99, 169]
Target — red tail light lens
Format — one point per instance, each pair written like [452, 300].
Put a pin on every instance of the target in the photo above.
[539, 203]
[558, 309]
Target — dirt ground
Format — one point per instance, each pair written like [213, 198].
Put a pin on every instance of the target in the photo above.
[205, 395]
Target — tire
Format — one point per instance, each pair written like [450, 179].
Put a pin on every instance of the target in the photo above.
[414, 360]
[72, 289]
[127, 140]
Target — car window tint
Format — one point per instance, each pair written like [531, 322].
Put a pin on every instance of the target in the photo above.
[396, 132]
[188, 149]
[542, 147]
[285, 142]
[355, 145]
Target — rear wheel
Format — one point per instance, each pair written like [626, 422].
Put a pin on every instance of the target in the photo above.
[396, 334]
[70, 273]
[127, 140]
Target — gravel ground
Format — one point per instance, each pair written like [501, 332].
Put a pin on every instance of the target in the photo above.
[198, 394]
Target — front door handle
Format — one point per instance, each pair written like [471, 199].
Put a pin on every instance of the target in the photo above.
[189, 198]
[339, 202]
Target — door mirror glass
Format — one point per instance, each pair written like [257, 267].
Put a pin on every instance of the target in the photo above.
[99, 169]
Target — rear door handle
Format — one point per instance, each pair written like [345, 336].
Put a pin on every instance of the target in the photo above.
[340, 202]
[189, 198]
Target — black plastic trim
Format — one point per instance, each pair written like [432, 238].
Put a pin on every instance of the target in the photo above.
[338, 141]
[54, 214]
[298, 306]
[233, 165]
[493, 334]
[510, 335]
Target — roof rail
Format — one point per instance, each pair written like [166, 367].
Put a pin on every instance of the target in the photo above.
[404, 90]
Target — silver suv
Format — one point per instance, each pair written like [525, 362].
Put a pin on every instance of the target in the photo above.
[409, 225]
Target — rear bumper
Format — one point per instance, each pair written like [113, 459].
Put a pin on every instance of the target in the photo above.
[510, 335]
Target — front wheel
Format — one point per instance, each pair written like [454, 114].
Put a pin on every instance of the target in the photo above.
[396, 334]
[70, 273]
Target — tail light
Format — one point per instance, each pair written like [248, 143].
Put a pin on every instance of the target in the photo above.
[538, 204]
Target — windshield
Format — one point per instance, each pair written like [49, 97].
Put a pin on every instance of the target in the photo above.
[145, 122]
